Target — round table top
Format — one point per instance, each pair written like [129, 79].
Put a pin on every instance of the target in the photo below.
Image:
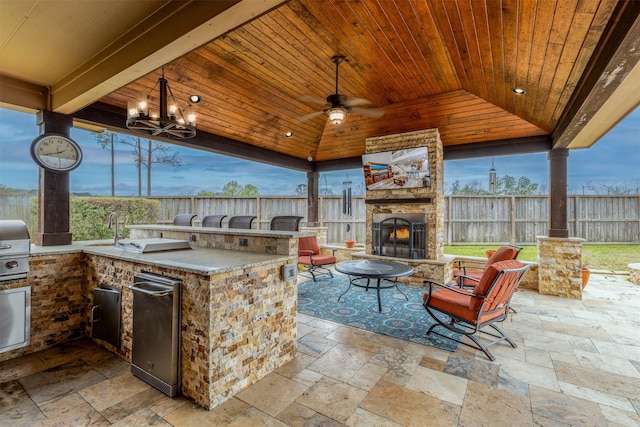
[374, 268]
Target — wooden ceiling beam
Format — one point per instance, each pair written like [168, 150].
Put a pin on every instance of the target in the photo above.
[505, 147]
[113, 118]
[614, 58]
[173, 30]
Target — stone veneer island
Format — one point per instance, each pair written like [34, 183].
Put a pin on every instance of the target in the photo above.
[238, 314]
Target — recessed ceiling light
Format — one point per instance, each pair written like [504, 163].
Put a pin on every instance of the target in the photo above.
[194, 99]
[310, 158]
[518, 91]
[288, 134]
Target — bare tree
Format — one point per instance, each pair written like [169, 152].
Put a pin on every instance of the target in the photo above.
[107, 138]
[155, 153]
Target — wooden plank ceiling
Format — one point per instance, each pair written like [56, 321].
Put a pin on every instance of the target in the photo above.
[446, 64]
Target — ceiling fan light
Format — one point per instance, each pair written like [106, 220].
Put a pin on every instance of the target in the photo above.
[336, 115]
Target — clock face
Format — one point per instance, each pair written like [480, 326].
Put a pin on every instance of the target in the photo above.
[56, 153]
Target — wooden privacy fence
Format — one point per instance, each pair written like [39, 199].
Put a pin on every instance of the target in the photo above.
[468, 219]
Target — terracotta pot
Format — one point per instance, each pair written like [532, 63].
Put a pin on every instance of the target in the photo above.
[585, 277]
[350, 243]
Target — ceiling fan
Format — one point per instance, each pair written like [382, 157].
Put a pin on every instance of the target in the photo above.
[338, 105]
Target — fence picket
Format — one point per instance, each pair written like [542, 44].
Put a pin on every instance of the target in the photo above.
[467, 219]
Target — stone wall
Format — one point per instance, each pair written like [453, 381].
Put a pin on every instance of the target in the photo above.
[253, 240]
[560, 266]
[58, 309]
[407, 200]
[237, 326]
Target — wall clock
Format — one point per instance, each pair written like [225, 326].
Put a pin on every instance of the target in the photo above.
[56, 152]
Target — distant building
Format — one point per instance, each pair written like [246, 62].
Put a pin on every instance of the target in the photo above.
[493, 183]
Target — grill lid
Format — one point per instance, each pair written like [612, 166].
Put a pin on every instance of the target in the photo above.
[13, 229]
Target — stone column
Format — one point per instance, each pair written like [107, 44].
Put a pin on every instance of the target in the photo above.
[321, 233]
[560, 266]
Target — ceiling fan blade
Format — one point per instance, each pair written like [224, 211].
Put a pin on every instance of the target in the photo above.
[314, 99]
[354, 102]
[309, 116]
[371, 112]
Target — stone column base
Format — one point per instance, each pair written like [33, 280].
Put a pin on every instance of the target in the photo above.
[560, 266]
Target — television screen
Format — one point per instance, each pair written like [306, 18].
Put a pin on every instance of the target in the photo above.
[389, 170]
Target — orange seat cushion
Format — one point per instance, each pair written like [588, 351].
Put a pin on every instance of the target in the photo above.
[309, 243]
[458, 305]
[317, 259]
[491, 273]
[503, 253]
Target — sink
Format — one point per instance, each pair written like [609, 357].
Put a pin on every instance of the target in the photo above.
[151, 245]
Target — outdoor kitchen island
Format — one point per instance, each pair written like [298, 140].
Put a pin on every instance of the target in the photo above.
[238, 314]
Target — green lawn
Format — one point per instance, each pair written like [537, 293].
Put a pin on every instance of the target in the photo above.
[597, 257]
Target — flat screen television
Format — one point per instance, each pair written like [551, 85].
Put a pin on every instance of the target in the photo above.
[389, 170]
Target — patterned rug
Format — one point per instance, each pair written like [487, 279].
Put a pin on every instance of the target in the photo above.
[407, 320]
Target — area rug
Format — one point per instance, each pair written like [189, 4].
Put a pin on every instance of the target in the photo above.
[407, 320]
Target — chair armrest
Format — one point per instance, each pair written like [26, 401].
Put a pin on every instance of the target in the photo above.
[453, 287]
[462, 264]
[305, 252]
[464, 278]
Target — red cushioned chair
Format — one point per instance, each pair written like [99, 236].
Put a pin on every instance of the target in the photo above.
[467, 273]
[311, 259]
[470, 310]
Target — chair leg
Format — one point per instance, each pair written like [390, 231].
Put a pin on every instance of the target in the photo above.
[504, 335]
[469, 333]
[315, 271]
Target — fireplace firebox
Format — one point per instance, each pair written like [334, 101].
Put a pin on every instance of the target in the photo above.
[400, 236]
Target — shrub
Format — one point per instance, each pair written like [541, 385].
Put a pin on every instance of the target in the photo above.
[89, 215]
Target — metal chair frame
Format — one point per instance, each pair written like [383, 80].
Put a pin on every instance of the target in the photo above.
[241, 221]
[184, 219]
[494, 307]
[286, 223]
[314, 268]
[469, 267]
[213, 221]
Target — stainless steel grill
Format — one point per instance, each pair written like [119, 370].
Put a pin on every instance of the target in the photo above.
[14, 249]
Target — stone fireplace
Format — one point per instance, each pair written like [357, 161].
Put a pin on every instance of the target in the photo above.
[423, 205]
[427, 202]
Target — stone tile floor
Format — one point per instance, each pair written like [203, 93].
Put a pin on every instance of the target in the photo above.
[577, 363]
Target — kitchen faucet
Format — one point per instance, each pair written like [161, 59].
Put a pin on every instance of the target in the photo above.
[116, 235]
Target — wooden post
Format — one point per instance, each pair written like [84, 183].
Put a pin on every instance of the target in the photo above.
[53, 189]
[558, 193]
[312, 198]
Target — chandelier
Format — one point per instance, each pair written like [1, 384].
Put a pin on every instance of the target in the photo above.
[168, 120]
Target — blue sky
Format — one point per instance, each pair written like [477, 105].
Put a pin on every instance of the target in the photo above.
[613, 161]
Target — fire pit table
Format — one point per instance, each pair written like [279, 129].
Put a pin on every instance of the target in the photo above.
[381, 271]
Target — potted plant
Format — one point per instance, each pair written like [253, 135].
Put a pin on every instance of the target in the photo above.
[349, 243]
[585, 275]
